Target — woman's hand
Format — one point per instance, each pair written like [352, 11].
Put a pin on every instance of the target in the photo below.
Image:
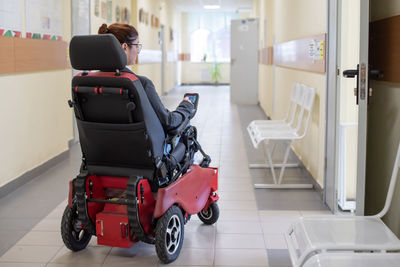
[187, 99]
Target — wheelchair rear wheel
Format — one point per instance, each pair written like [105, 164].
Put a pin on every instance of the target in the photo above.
[169, 235]
[75, 238]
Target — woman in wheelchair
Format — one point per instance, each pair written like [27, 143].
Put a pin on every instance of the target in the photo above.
[128, 36]
[137, 182]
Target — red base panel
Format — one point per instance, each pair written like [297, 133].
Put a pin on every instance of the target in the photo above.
[112, 226]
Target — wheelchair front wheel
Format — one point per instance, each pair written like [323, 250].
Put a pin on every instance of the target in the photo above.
[74, 236]
[211, 215]
[169, 235]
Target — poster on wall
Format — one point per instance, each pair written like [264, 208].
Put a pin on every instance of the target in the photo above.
[10, 18]
[44, 19]
[109, 10]
[117, 14]
[80, 19]
[103, 10]
[97, 8]
[125, 15]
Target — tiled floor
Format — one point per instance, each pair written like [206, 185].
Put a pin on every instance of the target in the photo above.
[249, 231]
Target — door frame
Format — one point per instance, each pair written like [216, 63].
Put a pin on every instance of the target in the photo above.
[362, 107]
[330, 195]
[333, 108]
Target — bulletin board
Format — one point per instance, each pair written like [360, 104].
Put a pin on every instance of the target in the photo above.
[307, 54]
[11, 18]
[35, 45]
[43, 19]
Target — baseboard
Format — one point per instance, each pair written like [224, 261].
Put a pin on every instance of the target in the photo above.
[205, 83]
[29, 175]
[71, 143]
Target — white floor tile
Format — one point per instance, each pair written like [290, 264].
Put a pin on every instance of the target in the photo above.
[21, 264]
[237, 205]
[241, 257]
[88, 255]
[194, 256]
[40, 238]
[30, 254]
[235, 227]
[275, 241]
[239, 215]
[247, 241]
[139, 254]
[196, 240]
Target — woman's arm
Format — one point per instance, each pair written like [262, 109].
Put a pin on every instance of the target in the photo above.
[169, 120]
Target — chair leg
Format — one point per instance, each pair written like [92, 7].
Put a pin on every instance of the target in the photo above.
[267, 165]
[278, 184]
[269, 158]
[284, 162]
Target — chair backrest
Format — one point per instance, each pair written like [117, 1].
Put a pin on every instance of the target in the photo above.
[117, 125]
[392, 185]
[308, 95]
[295, 102]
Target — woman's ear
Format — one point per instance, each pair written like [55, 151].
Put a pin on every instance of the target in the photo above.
[124, 46]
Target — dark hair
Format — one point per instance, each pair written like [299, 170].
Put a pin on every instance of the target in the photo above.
[125, 33]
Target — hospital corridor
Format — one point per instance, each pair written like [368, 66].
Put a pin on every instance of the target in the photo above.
[199, 133]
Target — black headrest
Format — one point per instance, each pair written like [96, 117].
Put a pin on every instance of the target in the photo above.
[96, 52]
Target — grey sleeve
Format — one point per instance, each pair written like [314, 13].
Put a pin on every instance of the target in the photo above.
[169, 119]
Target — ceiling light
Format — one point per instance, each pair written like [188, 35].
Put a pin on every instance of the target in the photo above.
[211, 6]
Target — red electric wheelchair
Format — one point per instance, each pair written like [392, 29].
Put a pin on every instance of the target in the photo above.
[129, 188]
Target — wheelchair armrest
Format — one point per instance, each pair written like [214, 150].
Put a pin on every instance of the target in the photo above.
[178, 130]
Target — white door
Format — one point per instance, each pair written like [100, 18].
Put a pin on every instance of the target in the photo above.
[347, 105]
[244, 61]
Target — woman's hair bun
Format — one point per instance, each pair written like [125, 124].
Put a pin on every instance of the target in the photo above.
[103, 29]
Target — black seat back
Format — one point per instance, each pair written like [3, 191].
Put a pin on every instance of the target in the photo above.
[117, 125]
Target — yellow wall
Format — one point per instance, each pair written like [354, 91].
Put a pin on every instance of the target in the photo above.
[264, 11]
[289, 20]
[149, 38]
[36, 120]
[169, 17]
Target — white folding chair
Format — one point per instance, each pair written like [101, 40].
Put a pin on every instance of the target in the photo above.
[287, 121]
[354, 260]
[331, 234]
[284, 135]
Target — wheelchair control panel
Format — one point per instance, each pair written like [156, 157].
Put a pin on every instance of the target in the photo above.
[194, 98]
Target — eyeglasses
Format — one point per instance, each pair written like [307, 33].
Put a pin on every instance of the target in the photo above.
[138, 46]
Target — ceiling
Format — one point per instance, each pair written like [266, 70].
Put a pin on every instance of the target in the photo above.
[226, 5]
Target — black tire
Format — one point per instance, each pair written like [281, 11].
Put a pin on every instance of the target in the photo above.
[74, 237]
[169, 235]
[212, 214]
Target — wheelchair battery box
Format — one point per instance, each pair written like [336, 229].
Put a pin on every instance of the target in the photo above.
[112, 226]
